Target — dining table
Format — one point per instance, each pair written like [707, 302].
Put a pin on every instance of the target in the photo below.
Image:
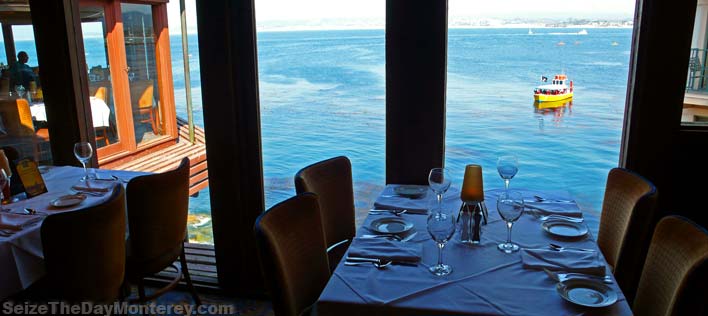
[484, 280]
[21, 255]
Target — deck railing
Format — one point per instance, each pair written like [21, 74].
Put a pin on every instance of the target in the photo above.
[697, 72]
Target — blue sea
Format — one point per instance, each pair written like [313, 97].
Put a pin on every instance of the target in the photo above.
[322, 94]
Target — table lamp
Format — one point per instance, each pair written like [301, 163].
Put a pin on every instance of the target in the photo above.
[473, 211]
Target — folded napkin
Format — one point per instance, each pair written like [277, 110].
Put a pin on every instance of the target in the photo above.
[384, 249]
[388, 200]
[94, 186]
[587, 262]
[16, 221]
[541, 208]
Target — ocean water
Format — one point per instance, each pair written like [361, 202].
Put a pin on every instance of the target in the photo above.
[322, 94]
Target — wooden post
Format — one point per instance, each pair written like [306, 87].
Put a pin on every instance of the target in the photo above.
[9, 40]
[416, 70]
[229, 76]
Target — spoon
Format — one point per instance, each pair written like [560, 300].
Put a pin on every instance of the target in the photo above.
[561, 248]
[30, 211]
[378, 265]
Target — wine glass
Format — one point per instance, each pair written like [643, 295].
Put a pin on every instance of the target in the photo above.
[83, 152]
[20, 89]
[510, 205]
[439, 181]
[508, 166]
[441, 227]
[4, 181]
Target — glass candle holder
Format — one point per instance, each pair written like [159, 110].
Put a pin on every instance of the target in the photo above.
[472, 186]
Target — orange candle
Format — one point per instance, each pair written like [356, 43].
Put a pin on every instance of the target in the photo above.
[472, 187]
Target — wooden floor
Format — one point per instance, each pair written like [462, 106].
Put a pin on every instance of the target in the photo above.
[169, 157]
[201, 263]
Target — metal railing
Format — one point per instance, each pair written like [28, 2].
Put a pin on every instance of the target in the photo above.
[697, 74]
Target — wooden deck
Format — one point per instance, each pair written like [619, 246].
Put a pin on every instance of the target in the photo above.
[202, 268]
[166, 158]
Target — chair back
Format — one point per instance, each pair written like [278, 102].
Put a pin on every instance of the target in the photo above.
[157, 219]
[17, 117]
[146, 98]
[84, 251]
[292, 253]
[331, 181]
[674, 277]
[626, 225]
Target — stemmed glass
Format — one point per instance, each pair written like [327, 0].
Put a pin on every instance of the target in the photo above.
[83, 152]
[508, 166]
[439, 181]
[4, 181]
[510, 205]
[441, 227]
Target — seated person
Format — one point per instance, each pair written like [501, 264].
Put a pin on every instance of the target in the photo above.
[21, 73]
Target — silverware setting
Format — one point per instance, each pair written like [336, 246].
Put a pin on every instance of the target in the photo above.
[391, 236]
[560, 277]
[7, 232]
[541, 199]
[378, 263]
[544, 218]
[561, 248]
[91, 193]
[394, 212]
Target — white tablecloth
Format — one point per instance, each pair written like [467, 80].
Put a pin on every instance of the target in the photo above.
[99, 112]
[21, 256]
[484, 281]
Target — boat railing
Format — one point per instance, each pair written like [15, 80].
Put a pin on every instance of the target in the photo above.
[697, 80]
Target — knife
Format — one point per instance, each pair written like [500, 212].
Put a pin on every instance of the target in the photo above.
[376, 260]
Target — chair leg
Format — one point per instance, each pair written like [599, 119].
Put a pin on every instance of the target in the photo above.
[187, 278]
[152, 121]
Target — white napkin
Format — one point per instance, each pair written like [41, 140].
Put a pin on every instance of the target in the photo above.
[587, 262]
[384, 249]
[388, 200]
[16, 221]
[94, 186]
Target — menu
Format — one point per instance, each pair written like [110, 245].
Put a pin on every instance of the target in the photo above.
[31, 177]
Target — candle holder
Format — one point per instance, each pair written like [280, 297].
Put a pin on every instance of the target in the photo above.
[473, 212]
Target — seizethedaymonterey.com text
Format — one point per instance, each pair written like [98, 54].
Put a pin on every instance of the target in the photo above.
[117, 308]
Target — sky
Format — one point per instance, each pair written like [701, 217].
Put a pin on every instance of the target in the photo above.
[302, 10]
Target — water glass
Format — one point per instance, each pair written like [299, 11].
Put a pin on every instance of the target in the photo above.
[508, 166]
[441, 227]
[510, 205]
[83, 152]
[439, 181]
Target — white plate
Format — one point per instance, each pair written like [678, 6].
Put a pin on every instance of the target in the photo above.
[563, 228]
[412, 191]
[391, 225]
[586, 292]
[68, 200]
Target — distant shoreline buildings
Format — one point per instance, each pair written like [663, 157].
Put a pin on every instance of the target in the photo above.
[454, 22]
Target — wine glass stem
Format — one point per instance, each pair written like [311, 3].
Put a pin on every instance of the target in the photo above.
[85, 170]
[506, 184]
[508, 236]
[440, 249]
[439, 195]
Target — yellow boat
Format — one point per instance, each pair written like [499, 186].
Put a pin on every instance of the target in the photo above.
[556, 91]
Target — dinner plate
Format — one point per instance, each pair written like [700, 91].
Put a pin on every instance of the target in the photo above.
[563, 228]
[586, 292]
[68, 200]
[391, 225]
[412, 191]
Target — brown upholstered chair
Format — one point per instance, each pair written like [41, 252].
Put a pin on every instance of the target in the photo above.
[84, 251]
[144, 110]
[157, 220]
[675, 277]
[331, 181]
[292, 253]
[626, 224]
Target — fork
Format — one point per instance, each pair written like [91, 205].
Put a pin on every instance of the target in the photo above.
[378, 265]
[562, 217]
[91, 193]
[387, 236]
[546, 200]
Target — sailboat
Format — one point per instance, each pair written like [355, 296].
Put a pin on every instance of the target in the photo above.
[583, 32]
[530, 32]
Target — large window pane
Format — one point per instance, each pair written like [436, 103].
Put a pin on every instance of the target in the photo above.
[142, 72]
[695, 108]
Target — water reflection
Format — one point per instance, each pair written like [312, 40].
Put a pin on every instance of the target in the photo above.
[556, 109]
